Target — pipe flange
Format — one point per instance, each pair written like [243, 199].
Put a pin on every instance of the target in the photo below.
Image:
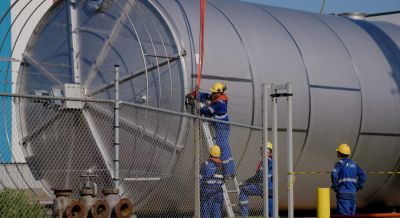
[85, 192]
[124, 208]
[62, 192]
[100, 209]
[75, 209]
[112, 191]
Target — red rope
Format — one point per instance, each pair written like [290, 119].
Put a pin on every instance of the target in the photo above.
[201, 43]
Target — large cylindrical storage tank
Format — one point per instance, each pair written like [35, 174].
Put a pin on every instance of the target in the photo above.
[345, 76]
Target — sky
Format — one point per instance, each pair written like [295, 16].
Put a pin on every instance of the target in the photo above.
[336, 6]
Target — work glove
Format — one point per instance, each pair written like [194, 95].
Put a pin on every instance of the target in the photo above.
[190, 98]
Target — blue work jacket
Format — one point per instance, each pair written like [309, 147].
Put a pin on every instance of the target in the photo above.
[212, 173]
[217, 109]
[258, 177]
[347, 178]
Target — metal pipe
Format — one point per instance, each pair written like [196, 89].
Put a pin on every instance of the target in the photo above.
[100, 209]
[264, 106]
[76, 209]
[116, 130]
[87, 198]
[73, 19]
[123, 209]
[290, 151]
[112, 198]
[197, 162]
[322, 6]
[143, 179]
[60, 203]
[188, 115]
[275, 177]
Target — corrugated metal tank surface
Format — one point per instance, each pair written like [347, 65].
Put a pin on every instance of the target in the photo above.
[345, 76]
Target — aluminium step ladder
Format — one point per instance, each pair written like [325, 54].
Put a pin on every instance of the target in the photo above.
[205, 126]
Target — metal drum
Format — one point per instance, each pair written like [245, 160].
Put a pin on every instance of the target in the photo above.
[345, 76]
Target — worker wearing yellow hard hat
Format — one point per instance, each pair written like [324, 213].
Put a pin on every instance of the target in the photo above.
[218, 88]
[269, 146]
[217, 108]
[344, 149]
[212, 178]
[347, 178]
[215, 151]
[253, 186]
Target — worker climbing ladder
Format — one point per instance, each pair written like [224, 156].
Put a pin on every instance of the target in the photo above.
[205, 126]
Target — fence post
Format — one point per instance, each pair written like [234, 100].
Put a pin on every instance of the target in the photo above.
[116, 130]
[264, 106]
[275, 176]
[290, 151]
[197, 161]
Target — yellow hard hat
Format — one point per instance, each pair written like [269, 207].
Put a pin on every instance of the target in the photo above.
[344, 149]
[215, 151]
[269, 145]
[218, 87]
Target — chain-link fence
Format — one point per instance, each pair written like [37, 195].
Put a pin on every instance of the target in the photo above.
[55, 143]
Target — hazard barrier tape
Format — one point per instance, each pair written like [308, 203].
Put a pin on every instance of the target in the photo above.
[291, 183]
[327, 172]
[382, 172]
[309, 172]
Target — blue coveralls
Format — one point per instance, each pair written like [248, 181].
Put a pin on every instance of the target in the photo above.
[254, 186]
[211, 197]
[218, 109]
[347, 178]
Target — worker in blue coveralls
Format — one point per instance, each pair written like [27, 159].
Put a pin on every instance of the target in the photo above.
[211, 180]
[347, 178]
[253, 186]
[218, 109]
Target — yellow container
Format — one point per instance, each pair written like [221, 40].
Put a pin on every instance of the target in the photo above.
[323, 205]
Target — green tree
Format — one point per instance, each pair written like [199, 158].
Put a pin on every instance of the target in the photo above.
[18, 203]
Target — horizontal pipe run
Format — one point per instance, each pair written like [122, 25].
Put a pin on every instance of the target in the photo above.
[143, 179]
[130, 104]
